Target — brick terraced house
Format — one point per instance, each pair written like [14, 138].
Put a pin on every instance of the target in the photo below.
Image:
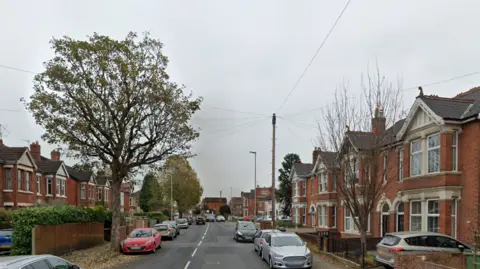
[433, 169]
[82, 188]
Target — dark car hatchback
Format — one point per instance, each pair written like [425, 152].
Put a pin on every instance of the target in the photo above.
[244, 231]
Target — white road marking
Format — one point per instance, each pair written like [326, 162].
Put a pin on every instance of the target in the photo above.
[203, 237]
[195, 251]
[199, 243]
[186, 265]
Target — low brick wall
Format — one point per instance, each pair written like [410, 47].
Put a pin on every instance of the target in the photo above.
[429, 260]
[62, 238]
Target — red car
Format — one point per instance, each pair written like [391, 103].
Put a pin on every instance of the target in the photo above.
[142, 240]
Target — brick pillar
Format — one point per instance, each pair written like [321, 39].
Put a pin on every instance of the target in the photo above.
[446, 151]
[406, 160]
[406, 214]
[445, 221]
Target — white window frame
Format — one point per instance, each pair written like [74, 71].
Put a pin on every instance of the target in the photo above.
[99, 194]
[49, 181]
[83, 191]
[122, 198]
[400, 165]
[296, 188]
[400, 213]
[304, 188]
[433, 215]
[325, 216]
[455, 151]
[8, 179]
[304, 216]
[435, 148]
[64, 187]
[57, 189]
[320, 218]
[347, 215]
[356, 170]
[413, 154]
[20, 179]
[28, 184]
[334, 182]
[416, 215]
[106, 195]
[454, 218]
[325, 182]
[39, 177]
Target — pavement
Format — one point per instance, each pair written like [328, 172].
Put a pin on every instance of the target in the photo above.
[209, 246]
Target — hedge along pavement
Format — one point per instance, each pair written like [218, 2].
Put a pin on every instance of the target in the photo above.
[25, 219]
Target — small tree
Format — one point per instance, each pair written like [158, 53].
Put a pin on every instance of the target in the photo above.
[147, 192]
[363, 152]
[225, 210]
[111, 101]
[284, 192]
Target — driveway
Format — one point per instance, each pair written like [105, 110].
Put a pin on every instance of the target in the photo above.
[209, 246]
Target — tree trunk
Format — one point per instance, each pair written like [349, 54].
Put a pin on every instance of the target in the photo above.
[115, 234]
[363, 246]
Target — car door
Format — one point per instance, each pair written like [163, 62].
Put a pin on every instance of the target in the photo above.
[266, 246]
[58, 263]
[256, 240]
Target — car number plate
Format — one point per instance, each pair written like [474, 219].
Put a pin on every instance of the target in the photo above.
[248, 237]
[136, 248]
[381, 252]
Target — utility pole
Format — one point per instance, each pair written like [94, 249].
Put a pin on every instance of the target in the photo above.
[220, 194]
[274, 123]
[254, 183]
[231, 193]
[171, 196]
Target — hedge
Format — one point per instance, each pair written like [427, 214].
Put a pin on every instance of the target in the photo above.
[25, 219]
[151, 215]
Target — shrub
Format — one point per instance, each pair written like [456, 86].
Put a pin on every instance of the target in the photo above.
[24, 220]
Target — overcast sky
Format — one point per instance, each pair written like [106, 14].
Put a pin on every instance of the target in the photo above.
[246, 56]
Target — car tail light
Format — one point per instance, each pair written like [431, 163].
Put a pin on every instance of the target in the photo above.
[395, 249]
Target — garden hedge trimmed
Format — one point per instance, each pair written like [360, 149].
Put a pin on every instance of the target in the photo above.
[25, 219]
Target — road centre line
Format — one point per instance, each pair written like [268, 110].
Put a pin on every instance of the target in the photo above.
[195, 251]
[186, 265]
[199, 243]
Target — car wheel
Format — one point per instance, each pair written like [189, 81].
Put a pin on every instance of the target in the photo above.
[260, 252]
[270, 262]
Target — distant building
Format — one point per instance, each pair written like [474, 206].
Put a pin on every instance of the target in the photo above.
[214, 203]
[236, 206]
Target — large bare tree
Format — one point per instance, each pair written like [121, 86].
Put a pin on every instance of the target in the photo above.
[111, 101]
[361, 130]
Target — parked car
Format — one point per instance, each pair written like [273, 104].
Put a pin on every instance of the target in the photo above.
[210, 218]
[166, 230]
[244, 231]
[286, 250]
[5, 240]
[200, 220]
[220, 218]
[182, 223]
[416, 241]
[174, 226]
[35, 261]
[142, 240]
[259, 239]
[190, 220]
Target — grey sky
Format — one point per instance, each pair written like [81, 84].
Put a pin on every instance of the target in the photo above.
[247, 56]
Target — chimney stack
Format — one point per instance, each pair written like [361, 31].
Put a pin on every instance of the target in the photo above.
[35, 151]
[55, 155]
[379, 121]
[315, 153]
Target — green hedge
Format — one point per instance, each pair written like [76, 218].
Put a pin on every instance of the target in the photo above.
[151, 215]
[24, 220]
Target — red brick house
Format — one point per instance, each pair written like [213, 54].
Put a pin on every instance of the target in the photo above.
[236, 206]
[125, 192]
[214, 203]
[18, 172]
[83, 188]
[433, 173]
[104, 192]
[247, 203]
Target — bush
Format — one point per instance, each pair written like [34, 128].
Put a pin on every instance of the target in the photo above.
[151, 215]
[24, 220]
[287, 224]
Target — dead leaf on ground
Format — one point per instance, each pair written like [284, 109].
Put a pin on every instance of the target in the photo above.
[99, 257]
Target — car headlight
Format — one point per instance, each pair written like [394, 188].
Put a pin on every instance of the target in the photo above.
[239, 233]
[149, 242]
[278, 256]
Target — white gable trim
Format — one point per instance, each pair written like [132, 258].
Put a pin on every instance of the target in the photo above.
[64, 169]
[92, 180]
[30, 158]
[418, 104]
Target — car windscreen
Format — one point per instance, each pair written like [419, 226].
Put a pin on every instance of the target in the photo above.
[161, 227]
[390, 240]
[282, 241]
[181, 221]
[247, 226]
[140, 233]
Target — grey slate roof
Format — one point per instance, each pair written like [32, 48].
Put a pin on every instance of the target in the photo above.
[215, 200]
[303, 169]
[460, 107]
[328, 158]
[11, 154]
[48, 167]
[80, 176]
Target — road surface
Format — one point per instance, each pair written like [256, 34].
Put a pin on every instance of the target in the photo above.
[209, 246]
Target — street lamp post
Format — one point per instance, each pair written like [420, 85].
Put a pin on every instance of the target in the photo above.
[171, 196]
[255, 184]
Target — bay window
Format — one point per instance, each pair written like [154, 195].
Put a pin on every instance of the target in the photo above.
[415, 216]
[58, 186]
[325, 182]
[49, 185]
[433, 216]
[29, 181]
[356, 171]
[325, 216]
[38, 184]
[433, 153]
[20, 179]
[320, 217]
[99, 194]
[416, 157]
[334, 181]
[106, 195]
[8, 179]
[304, 215]
[400, 164]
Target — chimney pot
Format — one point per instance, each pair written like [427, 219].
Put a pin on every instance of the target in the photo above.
[35, 151]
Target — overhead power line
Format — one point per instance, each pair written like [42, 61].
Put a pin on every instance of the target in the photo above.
[442, 81]
[315, 55]
[237, 111]
[17, 69]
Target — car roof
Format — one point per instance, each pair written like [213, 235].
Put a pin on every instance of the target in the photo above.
[244, 221]
[284, 234]
[413, 234]
[270, 231]
[10, 260]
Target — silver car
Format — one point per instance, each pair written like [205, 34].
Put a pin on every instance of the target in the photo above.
[35, 261]
[259, 240]
[286, 250]
[416, 242]
[182, 223]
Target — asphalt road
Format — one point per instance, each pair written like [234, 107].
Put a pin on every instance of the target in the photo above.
[209, 246]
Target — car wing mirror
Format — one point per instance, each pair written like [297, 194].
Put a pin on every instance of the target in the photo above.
[461, 248]
[73, 266]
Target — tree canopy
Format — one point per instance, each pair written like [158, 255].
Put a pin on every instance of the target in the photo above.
[112, 101]
[187, 189]
[284, 192]
[147, 192]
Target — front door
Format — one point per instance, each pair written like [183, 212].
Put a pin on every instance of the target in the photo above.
[385, 220]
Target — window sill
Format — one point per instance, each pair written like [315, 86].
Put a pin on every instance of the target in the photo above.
[432, 175]
[7, 190]
[48, 195]
[29, 192]
[39, 194]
